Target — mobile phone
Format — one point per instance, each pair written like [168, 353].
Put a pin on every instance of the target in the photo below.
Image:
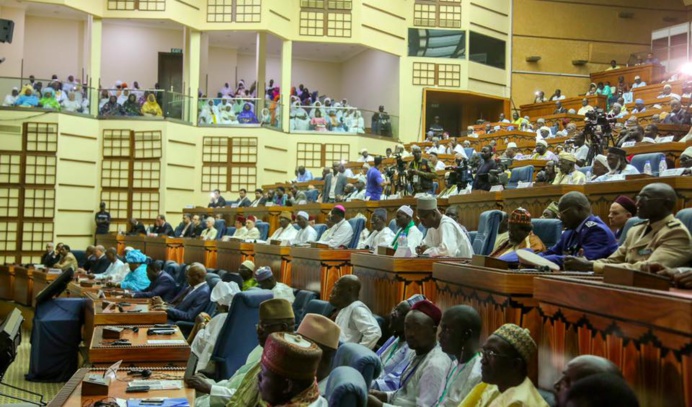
[137, 389]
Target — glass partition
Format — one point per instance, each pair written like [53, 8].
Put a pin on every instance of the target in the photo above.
[349, 120]
[249, 112]
[43, 94]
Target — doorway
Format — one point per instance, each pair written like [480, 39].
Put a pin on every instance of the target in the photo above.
[459, 109]
[170, 78]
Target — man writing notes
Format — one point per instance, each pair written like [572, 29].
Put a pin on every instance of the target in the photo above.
[445, 238]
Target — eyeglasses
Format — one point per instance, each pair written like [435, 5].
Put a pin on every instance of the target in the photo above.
[562, 212]
[491, 354]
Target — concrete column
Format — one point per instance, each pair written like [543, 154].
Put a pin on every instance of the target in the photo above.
[286, 80]
[261, 69]
[191, 69]
[95, 39]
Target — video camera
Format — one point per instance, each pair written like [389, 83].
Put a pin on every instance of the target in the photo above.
[598, 117]
[460, 175]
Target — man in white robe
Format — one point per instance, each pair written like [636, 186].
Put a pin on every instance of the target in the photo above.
[307, 233]
[381, 235]
[355, 319]
[444, 238]
[406, 228]
[286, 233]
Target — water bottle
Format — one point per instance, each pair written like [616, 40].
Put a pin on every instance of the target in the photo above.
[647, 167]
[662, 166]
[588, 175]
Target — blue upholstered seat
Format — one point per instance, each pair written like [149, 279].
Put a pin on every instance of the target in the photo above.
[312, 195]
[487, 232]
[639, 160]
[630, 222]
[300, 304]
[346, 388]
[296, 227]
[220, 226]
[263, 227]
[357, 356]
[320, 307]
[549, 230]
[230, 231]
[212, 279]
[472, 236]
[393, 226]
[235, 340]
[81, 257]
[232, 276]
[357, 224]
[320, 228]
[586, 169]
[523, 174]
[469, 152]
[685, 216]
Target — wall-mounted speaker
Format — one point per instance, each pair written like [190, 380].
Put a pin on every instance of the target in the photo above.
[6, 30]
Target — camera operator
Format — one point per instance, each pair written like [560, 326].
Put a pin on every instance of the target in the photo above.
[581, 149]
[482, 179]
[419, 172]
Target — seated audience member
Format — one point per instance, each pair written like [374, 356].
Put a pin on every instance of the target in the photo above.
[325, 334]
[651, 131]
[11, 98]
[557, 96]
[542, 152]
[559, 109]
[567, 171]
[280, 196]
[548, 173]
[50, 256]
[163, 228]
[246, 271]
[444, 238]
[677, 115]
[252, 232]
[240, 228]
[275, 315]
[100, 262]
[90, 259]
[355, 319]
[131, 106]
[581, 147]
[602, 389]
[481, 181]
[599, 167]
[286, 232]
[27, 98]
[67, 259]
[520, 236]
[617, 111]
[585, 107]
[381, 234]
[407, 229]
[48, 100]
[580, 368]
[505, 358]
[210, 232]
[112, 108]
[661, 238]
[186, 227]
[198, 227]
[639, 106]
[151, 108]
[318, 123]
[266, 281]
[358, 193]
[638, 82]
[161, 284]
[550, 212]
[460, 332]
[189, 302]
[304, 175]
[620, 211]
[540, 97]
[613, 65]
[307, 233]
[452, 212]
[365, 157]
[136, 279]
[450, 189]
[668, 92]
[394, 352]
[259, 198]
[617, 162]
[227, 115]
[136, 228]
[287, 376]
[428, 364]
[216, 201]
[585, 233]
[637, 135]
[295, 196]
[341, 232]
[116, 270]
[206, 330]
[72, 104]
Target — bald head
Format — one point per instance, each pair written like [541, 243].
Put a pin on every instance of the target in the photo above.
[196, 274]
[579, 368]
[573, 209]
[575, 198]
[465, 318]
[460, 331]
[345, 291]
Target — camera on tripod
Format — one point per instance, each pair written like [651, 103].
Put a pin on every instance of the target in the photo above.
[460, 175]
[598, 117]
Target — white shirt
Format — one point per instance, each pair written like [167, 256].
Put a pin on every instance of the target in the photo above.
[629, 169]
[448, 240]
[332, 187]
[439, 166]
[10, 100]
[281, 290]
[362, 159]
[421, 380]
[71, 105]
[309, 234]
[414, 238]
[460, 380]
[582, 152]
[241, 232]
[204, 342]
[377, 238]
[458, 149]
[358, 325]
[440, 149]
[284, 234]
[638, 85]
[357, 195]
[116, 271]
[341, 235]
[584, 109]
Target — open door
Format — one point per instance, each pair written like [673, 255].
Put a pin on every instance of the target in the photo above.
[171, 78]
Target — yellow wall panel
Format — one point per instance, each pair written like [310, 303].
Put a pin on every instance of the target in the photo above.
[11, 138]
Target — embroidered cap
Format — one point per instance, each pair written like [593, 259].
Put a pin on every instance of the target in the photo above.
[429, 309]
[249, 264]
[291, 356]
[406, 209]
[304, 215]
[263, 273]
[520, 216]
[627, 203]
[519, 338]
[276, 308]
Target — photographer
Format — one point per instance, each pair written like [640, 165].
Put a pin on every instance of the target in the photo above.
[482, 179]
[420, 173]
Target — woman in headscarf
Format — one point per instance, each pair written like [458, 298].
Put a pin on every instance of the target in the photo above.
[209, 113]
[72, 104]
[265, 117]
[151, 107]
[318, 123]
[112, 108]
[124, 96]
[136, 279]
[48, 100]
[227, 115]
[247, 116]
[131, 106]
[592, 90]
[103, 99]
[333, 123]
[599, 167]
[275, 109]
[27, 98]
[299, 117]
[317, 106]
[357, 122]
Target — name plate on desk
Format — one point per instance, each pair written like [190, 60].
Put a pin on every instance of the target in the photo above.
[634, 278]
[486, 261]
[385, 251]
[275, 242]
[112, 332]
[496, 188]
[318, 245]
[666, 139]
[95, 385]
[672, 172]
[522, 184]
[629, 144]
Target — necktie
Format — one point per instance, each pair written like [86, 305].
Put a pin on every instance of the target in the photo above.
[177, 300]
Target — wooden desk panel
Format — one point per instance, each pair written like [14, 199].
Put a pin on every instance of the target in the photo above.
[318, 269]
[649, 73]
[536, 199]
[537, 110]
[95, 315]
[269, 214]
[201, 251]
[75, 290]
[41, 280]
[387, 280]
[23, 285]
[165, 248]
[278, 258]
[652, 90]
[112, 240]
[475, 203]
[6, 282]
[646, 333]
[71, 394]
[136, 242]
[233, 253]
[140, 352]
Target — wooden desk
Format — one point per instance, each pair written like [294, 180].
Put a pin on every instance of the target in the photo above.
[652, 90]
[41, 280]
[475, 203]
[136, 242]
[71, 394]
[649, 73]
[233, 253]
[561, 119]
[647, 333]
[673, 151]
[23, 285]
[6, 282]
[386, 280]
[318, 269]
[141, 352]
[95, 315]
[165, 248]
[278, 258]
[76, 290]
[537, 110]
[536, 199]
[112, 240]
[201, 251]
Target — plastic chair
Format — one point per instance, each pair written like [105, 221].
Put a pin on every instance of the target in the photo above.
[263, 227]
[630, 222]
[235, 342]
[639, 160]
[220, 226]
[357, 224]
[346, 388]
[520, 174]
[320, 307]
[357, 356]
[300, 304]
[320, 228]
[685, 216]
[549, 230]
[487, 232]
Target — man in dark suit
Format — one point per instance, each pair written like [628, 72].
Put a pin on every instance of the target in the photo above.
[186, 227]
[136, 228]
[217, 200]
[162, 227]
[191, 301]
[244, 201]
[162, 284]
[259, 198]
[50, 257]
[198, 227]
[334, 184]
[100, 262]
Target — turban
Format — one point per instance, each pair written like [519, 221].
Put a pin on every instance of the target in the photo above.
[304, 215]
[263, 273]
[429, 309]
[427, 203]
[627, 203]
[321, 330]
[568, 157]
[286, 214]
[291, 356]
[519, 338]
[520, 216]
[135, 256]
[223, 292]
[276, 308]
[249, 264]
